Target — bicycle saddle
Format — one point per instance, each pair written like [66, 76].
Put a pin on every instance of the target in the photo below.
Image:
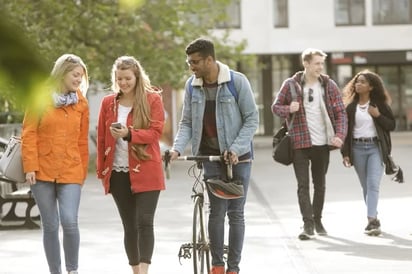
[225, 190]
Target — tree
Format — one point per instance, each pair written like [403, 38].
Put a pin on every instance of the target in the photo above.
[22, 72]
[156, 32]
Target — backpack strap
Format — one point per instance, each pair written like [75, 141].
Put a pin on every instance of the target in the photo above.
[231, 86]
[292, 89]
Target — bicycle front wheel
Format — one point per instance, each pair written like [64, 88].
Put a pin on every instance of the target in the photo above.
[201, 254]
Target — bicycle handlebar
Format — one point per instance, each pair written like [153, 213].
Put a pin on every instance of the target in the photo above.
[203, 158]
[211, 158]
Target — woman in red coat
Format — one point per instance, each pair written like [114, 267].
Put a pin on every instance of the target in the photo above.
[128, 156]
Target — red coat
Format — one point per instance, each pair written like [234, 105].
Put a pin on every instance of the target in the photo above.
[55, 145]
[145, 175]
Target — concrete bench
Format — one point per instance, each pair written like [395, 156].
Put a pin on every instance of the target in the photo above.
[15, 194]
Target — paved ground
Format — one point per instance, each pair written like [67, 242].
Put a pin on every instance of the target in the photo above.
[273, 223]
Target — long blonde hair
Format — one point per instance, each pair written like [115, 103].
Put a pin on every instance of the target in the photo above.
[141, 108]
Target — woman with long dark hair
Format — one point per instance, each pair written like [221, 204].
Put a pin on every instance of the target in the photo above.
[370, 119]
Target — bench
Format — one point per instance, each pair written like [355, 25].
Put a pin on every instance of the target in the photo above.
[15, 194]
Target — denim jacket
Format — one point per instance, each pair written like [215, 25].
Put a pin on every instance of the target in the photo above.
[236, 120]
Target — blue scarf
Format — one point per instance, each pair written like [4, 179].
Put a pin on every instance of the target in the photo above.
[62, 100]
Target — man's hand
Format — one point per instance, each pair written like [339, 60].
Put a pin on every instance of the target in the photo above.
[233, 157]
[293, 107]
[173, 155]
[336, 141]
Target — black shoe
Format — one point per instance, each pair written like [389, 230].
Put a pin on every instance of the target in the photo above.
[320, 230]
[307, 232]
[373, 228]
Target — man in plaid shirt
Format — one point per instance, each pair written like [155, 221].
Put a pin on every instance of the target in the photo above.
[320, 124]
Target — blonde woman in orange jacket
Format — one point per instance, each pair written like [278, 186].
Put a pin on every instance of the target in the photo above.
[128, 156]
[55, 159]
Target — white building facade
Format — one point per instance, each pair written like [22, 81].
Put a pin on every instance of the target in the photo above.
[356, 35]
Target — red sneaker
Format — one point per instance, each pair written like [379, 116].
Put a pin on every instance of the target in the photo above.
[217, 270]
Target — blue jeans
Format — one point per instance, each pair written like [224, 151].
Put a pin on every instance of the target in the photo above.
[59, 201]
[369, 168]
[235, 211]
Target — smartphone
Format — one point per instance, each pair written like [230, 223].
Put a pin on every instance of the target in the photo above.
[116, 125]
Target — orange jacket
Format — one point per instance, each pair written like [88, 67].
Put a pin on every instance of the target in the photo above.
[144, 175]
[55, 143]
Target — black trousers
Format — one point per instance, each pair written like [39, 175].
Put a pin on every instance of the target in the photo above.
[317, 159]
[137, 212]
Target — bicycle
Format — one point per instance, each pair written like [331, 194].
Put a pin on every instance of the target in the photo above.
[199, 247]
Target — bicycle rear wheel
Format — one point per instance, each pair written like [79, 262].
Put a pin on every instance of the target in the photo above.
[201, 254]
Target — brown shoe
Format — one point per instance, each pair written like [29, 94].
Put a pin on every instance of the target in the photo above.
[217, 270]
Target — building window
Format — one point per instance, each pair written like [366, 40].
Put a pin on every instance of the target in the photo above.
[280, 14]
[387, 12]
[349, 12]
[232, 18]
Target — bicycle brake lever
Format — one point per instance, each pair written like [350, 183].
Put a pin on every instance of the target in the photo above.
[229, 166]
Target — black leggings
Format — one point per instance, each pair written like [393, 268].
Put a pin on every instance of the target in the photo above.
[137, 213]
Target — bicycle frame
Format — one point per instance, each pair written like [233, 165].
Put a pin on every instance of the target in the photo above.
[198, 249]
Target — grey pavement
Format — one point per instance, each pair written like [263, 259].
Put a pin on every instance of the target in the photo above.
[273, 223]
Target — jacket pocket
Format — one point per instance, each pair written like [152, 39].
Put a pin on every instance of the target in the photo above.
[73, 154]
[44, 148]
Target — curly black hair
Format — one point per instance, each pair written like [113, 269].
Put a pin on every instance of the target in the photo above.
[379, 93]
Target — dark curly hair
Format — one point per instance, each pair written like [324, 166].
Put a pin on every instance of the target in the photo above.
[378, 94]
[202, 46]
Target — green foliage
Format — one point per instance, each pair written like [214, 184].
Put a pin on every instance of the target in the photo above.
[156, 32]
[22, 71]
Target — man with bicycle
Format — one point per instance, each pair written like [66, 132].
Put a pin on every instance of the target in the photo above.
[218, 120]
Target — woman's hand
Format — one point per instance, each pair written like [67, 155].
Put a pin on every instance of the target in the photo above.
[119, 132]
[346, 161]
[31, 177]
[374, 111]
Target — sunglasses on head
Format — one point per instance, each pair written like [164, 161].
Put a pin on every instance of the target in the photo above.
[310, 95]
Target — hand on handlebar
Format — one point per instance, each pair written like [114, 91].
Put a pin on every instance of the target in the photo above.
[230, 157]
[173, 155]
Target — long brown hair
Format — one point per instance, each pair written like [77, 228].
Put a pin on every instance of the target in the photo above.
[141, 108]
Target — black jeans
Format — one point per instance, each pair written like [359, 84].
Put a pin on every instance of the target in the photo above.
[137, 213]
[317, 158]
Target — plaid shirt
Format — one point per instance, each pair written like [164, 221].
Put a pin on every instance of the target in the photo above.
[333, 101]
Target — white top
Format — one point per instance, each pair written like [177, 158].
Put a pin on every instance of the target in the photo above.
[314, 114]
[121, 155]
[364, 126]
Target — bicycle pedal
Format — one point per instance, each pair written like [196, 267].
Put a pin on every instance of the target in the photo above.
[184, 251]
